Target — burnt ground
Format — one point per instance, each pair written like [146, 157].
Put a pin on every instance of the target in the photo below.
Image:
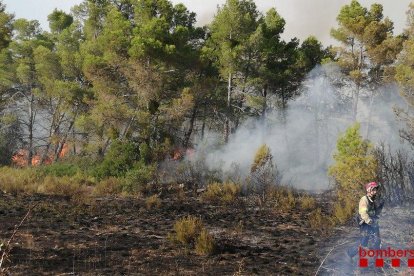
[120, 236]
[397, 232]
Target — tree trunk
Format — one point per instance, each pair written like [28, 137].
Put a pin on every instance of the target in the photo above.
[63, 142]
[203, 126]
[264, 107]
[355, 103]
[187, 135]
[227, 121]
[30, 126]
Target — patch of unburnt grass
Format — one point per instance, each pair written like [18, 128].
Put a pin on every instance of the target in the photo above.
[190, 233]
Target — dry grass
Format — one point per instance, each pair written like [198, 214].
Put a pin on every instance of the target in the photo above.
[343, 210]
[153, 202]
[190, 233]
[65, 186]
[18, 180]
[186, 230]
[307, 202]
[205, 244]
[109, 186]
[225, 193]
[283, 198]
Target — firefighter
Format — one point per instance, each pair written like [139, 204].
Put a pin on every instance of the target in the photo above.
[367, 218]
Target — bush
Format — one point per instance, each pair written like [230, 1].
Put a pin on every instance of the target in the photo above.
[137, 180]
[355, 165]
[190, 232]
[19, 180]
[205, 243]
[109, 186]
[65, 186]
[153, 201]
[284, 197]
[120, 158]
[186, 230]
[222, 192]
[263, 172]
[59, 169]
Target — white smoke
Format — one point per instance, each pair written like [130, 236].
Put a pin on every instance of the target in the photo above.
[303, 140]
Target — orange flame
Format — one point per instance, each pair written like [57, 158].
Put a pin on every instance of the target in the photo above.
[20, 158]
[180, 153]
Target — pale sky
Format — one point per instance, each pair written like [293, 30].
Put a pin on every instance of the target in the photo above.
[303, 17]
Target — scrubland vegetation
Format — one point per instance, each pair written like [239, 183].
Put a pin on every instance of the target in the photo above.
[101, 118]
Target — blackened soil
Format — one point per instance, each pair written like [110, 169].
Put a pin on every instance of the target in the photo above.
[120, 236]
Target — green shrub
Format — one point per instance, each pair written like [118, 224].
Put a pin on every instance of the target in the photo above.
[59, 169]
[355, 165]
[137, 180]
[222, 192]
[120, 158]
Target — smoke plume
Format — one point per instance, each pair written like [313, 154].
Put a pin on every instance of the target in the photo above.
[303, 139]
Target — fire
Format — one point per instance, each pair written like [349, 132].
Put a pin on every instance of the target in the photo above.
[20, 158]
[180, 153]
[64, 151]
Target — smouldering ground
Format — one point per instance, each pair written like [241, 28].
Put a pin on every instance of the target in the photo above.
[397, 232]
[114, 236]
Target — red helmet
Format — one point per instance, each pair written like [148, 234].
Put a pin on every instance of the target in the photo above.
[370, 186]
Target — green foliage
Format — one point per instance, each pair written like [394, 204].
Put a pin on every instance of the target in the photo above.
[59, 20]
[120, 158]
[5, 27]
[139, 178]
[30, 180]
[59, 169]
[404, 74]
[355, 165]
[368, 48]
